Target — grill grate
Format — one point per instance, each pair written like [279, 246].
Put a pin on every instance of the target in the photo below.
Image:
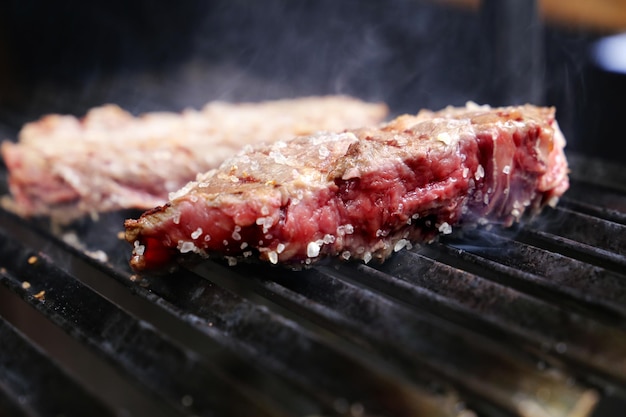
[522, 322]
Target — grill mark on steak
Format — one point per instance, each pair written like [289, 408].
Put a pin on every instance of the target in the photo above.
[363, 193]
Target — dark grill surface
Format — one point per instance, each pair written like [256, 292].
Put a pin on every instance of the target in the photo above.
[528, 322]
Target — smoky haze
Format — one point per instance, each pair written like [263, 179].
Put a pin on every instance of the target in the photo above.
[148, 56]
[405, 53]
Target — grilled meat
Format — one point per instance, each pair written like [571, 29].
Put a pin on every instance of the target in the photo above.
[362, 193]
[64, 167]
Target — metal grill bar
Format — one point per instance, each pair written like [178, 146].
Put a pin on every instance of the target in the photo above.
[605, 179]
[487, 372]
[251, 327]
[9, 403]
[600, 241]
[251, 331]
[595, 210]
[542, 328]
[528, 322]
[549, 275]
[28, 377]
[170, 371]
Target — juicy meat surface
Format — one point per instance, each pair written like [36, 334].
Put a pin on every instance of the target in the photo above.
[362, 193]
[65, 167]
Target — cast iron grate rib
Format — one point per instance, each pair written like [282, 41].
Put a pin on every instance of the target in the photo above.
[523, 322]
[32, 383]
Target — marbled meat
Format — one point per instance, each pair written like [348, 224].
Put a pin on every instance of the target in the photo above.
[64, 167]
[362, 193]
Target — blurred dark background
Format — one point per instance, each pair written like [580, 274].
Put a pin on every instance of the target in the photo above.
[65, 57]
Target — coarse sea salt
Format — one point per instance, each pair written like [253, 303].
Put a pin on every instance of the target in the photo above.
[312, 249]
[185, 247]
[346, 229]
[181, 192]
[445, 228]
[552, 202]
[273, 257]
[266, 222]
[400, 244]
[367, 257]
[278, 157]
[196, 233]
[445, 138]
[139, 249]
[480, 172]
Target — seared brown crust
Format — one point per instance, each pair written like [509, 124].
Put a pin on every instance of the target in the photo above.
[363, 193]
[66, 167]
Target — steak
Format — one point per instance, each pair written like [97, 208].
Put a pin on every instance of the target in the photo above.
[361, 193]
[64, 167]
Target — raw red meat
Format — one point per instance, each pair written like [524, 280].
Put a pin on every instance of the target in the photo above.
[362, 193]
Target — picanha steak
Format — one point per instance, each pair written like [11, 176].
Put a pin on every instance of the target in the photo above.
[362, 193]
[64, 167]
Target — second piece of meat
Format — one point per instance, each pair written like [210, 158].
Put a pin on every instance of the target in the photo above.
[64, 167]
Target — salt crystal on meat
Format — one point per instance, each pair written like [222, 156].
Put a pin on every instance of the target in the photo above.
[402, 195]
